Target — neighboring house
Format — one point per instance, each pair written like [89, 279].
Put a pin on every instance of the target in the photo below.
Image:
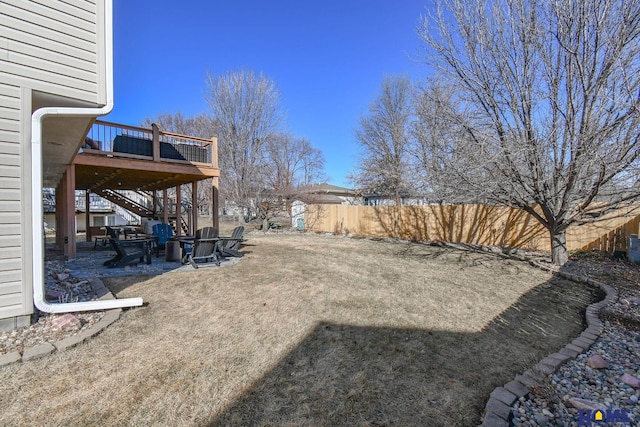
[405, 200]
[56, 78]
[101, 211]
[321, 194]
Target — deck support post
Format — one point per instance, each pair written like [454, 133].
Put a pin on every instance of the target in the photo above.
[194, 206]
[215, 184]
[178, 210]
[69, 182]
[155, 203]
[215, 196]
[59, 216]
[165, 206]
[87, 216]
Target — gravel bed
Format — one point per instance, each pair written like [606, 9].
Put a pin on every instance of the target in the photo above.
[60, 287]
[44, 330]
[618, 346]
[549, 404]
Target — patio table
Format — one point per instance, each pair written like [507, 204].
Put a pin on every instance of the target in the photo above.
[183, 241]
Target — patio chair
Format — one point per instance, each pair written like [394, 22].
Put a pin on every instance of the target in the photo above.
[127, 251]
[206, 247]
[163, 232]
[112, 232]
[204, 232]
[103, 238]
[229, 246]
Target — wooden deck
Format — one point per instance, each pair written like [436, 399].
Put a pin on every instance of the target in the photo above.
[122, 157]
[167, 159]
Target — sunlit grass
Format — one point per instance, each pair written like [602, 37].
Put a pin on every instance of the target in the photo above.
[306, 330]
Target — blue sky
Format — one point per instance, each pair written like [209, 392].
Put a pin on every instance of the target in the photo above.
[328, 59]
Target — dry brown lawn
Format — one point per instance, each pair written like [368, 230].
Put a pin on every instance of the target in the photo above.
[307, 330]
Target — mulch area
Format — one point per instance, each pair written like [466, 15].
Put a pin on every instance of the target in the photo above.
[622, 275]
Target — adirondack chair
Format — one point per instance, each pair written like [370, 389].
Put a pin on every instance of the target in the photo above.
[127, 251]
[204, 232]
[229, 246]
[205, 247]
[163, 232]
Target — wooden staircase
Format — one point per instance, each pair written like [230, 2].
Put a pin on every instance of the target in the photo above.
[140, 209]
[126, 203]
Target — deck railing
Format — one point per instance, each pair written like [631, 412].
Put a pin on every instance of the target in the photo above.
[150, 144]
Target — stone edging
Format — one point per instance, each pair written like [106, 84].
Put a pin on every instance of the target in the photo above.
[498, 408]
[46, 348]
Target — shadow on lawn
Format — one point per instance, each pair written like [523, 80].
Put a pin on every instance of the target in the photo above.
[357, 375]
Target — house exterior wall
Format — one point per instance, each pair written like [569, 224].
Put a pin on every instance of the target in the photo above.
[53, 49]
[11, 276]
[298, 207]
[102, 218]
[297, 212]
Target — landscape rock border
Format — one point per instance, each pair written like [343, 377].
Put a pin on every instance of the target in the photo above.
[498, 407]
[46, 348]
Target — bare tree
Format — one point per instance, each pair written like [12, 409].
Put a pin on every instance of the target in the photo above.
[291, 165]
[245, 107]
[435, 132]
[383, 136]
[201, 126]
[550, 90]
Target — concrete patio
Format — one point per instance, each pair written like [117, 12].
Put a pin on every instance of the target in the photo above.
[89, 264]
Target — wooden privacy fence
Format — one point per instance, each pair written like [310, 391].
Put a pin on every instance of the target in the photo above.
[609, 235]
[474, 224]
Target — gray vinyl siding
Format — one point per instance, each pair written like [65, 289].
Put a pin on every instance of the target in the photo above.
[51, 46]
[11, 277]
[48, 47]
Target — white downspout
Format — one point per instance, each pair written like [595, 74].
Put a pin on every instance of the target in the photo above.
[36, 198]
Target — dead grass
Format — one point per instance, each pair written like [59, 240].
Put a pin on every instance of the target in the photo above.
[307, 330]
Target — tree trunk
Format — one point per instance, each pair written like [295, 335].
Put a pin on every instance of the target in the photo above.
[559, 253]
